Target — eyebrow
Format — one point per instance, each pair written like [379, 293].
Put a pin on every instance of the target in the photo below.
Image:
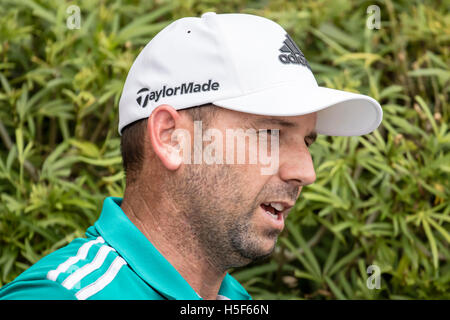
[279, 122]
[312, 135]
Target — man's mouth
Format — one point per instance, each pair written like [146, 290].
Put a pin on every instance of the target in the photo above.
[276, 210]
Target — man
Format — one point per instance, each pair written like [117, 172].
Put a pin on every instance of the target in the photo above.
[187, 215]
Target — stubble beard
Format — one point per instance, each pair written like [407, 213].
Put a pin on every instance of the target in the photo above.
[220, 217]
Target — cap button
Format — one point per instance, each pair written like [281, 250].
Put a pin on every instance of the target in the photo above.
[206, 14]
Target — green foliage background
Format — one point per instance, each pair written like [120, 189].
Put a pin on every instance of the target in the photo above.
[380, 199]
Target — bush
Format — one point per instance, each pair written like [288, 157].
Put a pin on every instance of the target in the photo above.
[380, 199]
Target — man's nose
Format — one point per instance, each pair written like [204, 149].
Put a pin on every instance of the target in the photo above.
[297, 168]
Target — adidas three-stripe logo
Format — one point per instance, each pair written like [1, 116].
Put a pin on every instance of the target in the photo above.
[294, 56]
[74, 278]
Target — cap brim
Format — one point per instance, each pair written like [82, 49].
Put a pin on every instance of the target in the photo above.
[339, 113]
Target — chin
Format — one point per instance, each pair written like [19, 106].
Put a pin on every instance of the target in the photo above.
[266, 249]
[270, 247]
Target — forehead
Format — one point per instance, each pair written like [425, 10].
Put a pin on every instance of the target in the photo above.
[231, 117]
[287, 122]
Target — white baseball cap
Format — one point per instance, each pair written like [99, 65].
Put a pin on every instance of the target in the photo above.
[241, 62]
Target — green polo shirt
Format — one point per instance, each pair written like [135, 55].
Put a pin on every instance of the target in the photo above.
[114, 261]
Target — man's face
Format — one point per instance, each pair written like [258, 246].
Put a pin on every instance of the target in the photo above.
[228, 205]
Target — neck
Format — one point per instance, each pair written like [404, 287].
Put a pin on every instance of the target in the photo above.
[169, 231]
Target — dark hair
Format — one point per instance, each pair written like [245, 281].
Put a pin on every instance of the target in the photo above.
[132, 139]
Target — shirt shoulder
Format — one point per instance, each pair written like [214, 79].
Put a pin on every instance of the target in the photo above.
[35, 290]
[87, 268]
[33, 282]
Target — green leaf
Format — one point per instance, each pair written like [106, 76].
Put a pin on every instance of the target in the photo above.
[302, 259]
[101, 162]
[304, 275]
[335, 289]
[87, 148]
[432, 242]
[344, 261]
[430, 72]
[427, 112]
[332, 255]
[296, 233]
[441, 230]
[250, 273]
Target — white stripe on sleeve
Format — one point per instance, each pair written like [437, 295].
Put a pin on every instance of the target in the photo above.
[103, 281]
[81, 254]
[75, 277]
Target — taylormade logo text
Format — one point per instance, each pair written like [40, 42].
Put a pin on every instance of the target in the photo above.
[145, 95]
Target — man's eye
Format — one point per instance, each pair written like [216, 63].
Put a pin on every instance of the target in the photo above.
[271, 131]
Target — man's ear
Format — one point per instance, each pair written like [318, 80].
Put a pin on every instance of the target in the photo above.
[160, 126]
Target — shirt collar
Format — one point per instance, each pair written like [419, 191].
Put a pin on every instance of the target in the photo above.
[140, 254]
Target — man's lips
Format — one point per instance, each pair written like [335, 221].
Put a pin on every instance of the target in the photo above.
[279, 207]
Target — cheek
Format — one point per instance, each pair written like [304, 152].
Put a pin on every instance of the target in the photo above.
[239, 185]
[251, 185]
[250, 176]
